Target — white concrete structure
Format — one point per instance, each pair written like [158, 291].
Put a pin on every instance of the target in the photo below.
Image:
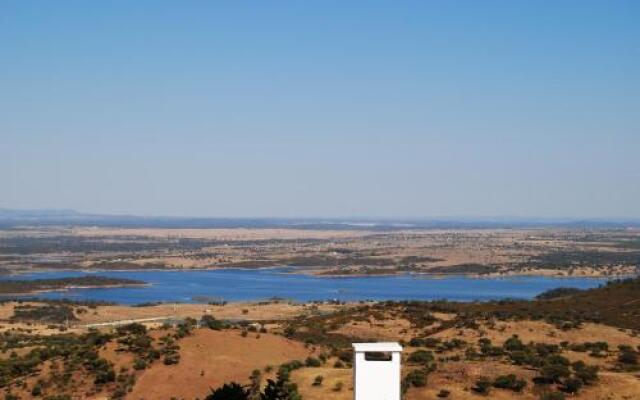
[376, 371]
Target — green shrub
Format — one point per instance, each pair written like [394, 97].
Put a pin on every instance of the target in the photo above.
[552, 396]
[421, 357]
[513, 344]
[281, 389]
[131, 329]
[510, 382]
[171, 359]
[586, 373]
[424, 342]
[416, 378]
[36, 390]
[483, 385]
[628, 357]
[139, 364]
[212, 323]
[317, 381]
[553, 373]
[312, 362]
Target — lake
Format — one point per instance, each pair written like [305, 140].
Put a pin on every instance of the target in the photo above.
[260, 284]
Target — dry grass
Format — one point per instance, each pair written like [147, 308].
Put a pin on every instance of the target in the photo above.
[304, 379]
[233, 311]
[211, 358]
[388, 329]
[538, 331]
[221, 234]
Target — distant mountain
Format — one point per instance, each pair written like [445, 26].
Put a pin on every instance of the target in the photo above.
[53, 217]
[11, 213]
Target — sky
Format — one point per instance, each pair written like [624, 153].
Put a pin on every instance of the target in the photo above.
[321, 108]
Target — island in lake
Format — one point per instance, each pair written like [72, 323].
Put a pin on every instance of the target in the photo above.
[32, 286]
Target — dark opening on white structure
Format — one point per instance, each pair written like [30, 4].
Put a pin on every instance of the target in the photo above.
[378, 356]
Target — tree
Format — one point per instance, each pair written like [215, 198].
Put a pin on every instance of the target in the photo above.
[280, 390]
[553, 373]
[572, 385]
[254, 386]
[513, 343]
[210, 322]
[229, 391]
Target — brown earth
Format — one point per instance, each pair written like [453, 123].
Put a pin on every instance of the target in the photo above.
[231, 311]
[304, 379]
[211, 358]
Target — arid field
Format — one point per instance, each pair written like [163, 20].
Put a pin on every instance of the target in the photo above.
[565, 344]
[583, 345]
[555, 252]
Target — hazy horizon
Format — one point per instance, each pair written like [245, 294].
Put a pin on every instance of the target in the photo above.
[411, 109]
[339, 219]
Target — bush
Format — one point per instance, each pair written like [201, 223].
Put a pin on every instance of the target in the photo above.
[510, 382]
[628, 357]
[171, 359]
[586, 373]
[483, 385]
[139, 364]
[553, 373]
[210, 322]
[338, 386]
[312, 362]
[289, 331]
[36, 390]
[552, 396]
[421, 357]
[133, 329]
[513, 344]
[346, 356]
[424, 342]
[281, 389]
[285, 369]
[317, 381]
[555, 368]
[416, 378]
[443, 393]
[487, 349]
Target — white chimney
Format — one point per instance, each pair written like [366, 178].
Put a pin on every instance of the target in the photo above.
[376, 371]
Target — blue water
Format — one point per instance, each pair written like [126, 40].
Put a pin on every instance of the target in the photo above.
[239, 284]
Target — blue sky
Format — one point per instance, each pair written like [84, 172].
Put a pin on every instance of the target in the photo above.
[321, 108]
